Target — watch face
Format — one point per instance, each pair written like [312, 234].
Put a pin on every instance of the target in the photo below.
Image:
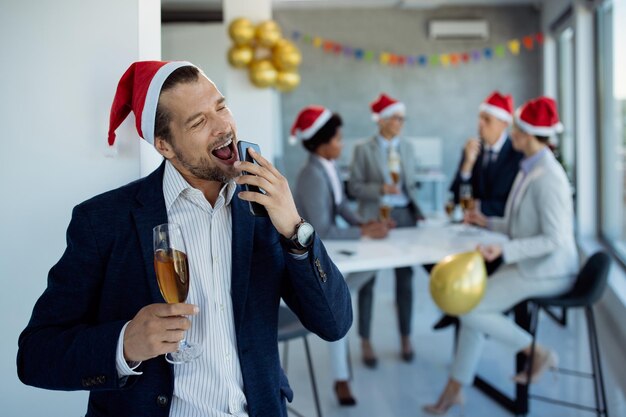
[305, 234]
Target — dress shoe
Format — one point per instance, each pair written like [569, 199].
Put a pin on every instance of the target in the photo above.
[344, 395]
[445, 321]
[370, 361]
[444, 405]
[408, 356]
[369, 357]
[406, 352]
[541, 363]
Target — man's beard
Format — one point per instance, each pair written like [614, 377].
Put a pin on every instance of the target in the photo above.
[202, 169]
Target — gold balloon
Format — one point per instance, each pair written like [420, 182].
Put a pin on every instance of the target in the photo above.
[240, 56]
[268, 33]
[262, 73]
[287, 80]
[241, 31]
[457, 283]
[286, 56]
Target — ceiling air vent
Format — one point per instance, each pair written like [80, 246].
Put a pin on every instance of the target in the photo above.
[458, 29]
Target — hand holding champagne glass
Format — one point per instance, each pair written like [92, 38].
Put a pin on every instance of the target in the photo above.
[172, 271]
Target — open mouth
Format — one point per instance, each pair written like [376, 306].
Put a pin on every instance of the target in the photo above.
[226, 152]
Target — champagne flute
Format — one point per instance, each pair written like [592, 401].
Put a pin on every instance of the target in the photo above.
[172, 271]
[466, 197]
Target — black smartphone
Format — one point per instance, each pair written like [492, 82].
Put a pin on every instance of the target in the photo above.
[242, 147]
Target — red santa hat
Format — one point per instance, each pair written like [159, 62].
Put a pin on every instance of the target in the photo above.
[139, 90]
[539, 117]
[308, 122]
[385, 106]
[499, 106]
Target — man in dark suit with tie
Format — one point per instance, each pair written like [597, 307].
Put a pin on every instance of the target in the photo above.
[489, 165]
[102, 325]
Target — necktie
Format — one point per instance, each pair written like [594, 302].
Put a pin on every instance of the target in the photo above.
[393, 163]
[489, 165]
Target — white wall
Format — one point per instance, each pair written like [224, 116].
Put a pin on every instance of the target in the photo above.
[204, 44]
[61, 63]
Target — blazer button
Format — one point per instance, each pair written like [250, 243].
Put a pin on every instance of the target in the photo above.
[162, 400]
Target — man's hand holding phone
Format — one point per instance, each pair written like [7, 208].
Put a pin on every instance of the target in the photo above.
[277, 199]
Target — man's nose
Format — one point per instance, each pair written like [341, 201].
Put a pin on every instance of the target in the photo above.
[219, 126]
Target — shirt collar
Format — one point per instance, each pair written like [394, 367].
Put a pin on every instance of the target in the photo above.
[497, 147]
[384, 143]
[527, 164]
[326, 162]
[174, 185]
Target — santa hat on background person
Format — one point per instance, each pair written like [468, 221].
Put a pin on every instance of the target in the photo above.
[385, 106]
[139, 90]
[308, 122]
[539, 117]
[499, 106]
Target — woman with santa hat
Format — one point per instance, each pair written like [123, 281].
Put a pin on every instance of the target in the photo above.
[320, 198]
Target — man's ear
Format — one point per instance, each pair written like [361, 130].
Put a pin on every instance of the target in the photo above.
[163, 147]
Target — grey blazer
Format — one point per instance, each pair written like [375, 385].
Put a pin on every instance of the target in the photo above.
[316, 203]
[367, 177]
[540, 223]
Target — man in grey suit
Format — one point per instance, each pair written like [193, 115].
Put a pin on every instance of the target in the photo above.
[320, 198]
[382, 179]
[539, 260]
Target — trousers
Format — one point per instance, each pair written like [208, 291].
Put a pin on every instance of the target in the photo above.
[505, 288]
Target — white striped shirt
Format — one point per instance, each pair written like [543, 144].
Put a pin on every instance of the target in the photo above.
[211, 385]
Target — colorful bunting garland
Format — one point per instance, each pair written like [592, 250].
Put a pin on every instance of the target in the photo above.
[453, 59]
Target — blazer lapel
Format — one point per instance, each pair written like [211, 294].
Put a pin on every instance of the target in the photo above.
[378, 157]
[532, 175]
[318, 165]
[149, 213]
[405, 148]
[242, 245]
[502, 160]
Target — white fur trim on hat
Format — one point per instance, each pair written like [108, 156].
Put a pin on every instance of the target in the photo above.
[496, 111]
[310, 131]
[538, 130]
[148, 115]
[389, 111]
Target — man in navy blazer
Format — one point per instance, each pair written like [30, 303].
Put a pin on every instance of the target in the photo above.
[490, 164]
[103, 302]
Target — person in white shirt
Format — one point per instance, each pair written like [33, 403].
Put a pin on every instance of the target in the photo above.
[320, 198]
[102, 324]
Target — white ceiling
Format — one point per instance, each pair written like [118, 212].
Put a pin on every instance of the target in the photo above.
[407, 4]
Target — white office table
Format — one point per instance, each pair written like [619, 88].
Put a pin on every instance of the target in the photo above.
[426, 244]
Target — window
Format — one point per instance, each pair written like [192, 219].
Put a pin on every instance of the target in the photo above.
[612, 117]
[566, 99]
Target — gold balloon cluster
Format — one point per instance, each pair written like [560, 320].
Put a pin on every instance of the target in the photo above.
[272, 61]
[457, 283]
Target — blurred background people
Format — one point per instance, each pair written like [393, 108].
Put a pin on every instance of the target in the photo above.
[321, 199]
[382, 179]
[489, 163]
[488, 166]
[539, 260]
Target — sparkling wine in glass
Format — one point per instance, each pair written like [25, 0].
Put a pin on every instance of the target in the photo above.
[395, 177]
[385, 212]
[466, 197]
[172, 271]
